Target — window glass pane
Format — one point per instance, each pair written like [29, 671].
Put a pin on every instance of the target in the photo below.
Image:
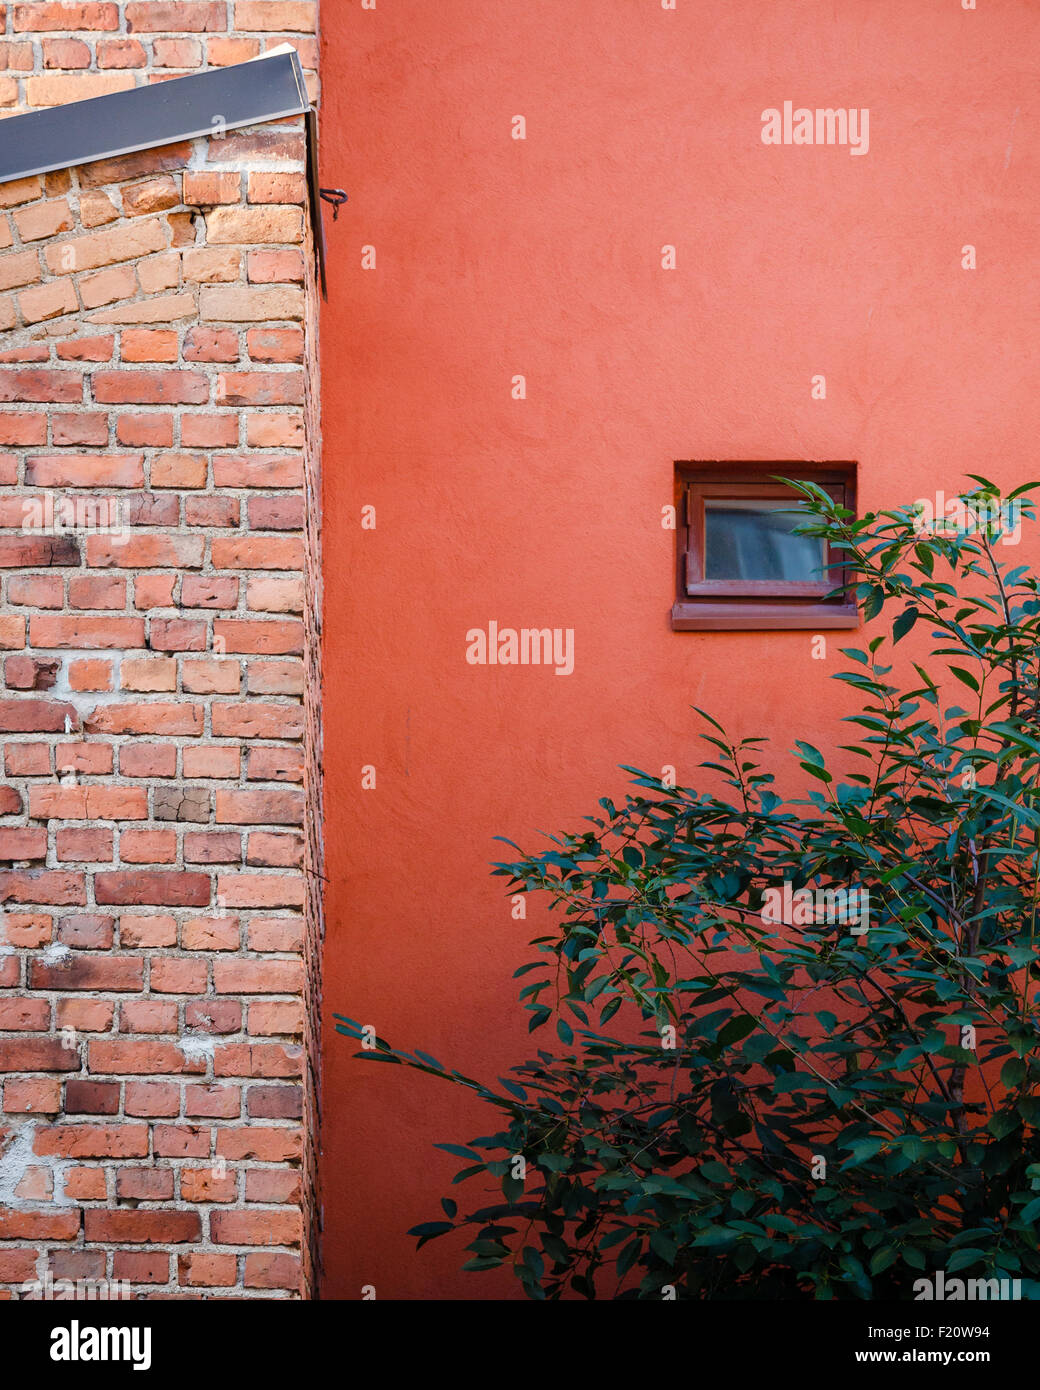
[748, 539]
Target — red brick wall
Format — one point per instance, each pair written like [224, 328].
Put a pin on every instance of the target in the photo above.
[56, 51]
[160, 680]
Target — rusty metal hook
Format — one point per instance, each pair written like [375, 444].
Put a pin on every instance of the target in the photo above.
[335, 196]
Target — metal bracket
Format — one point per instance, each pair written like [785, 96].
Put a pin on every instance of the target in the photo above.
[314, 198]
[335, 196]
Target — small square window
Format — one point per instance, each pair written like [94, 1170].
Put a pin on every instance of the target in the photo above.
[741, 564]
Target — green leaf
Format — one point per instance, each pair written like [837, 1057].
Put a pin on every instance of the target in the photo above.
[459, 1151]
[966, 678]
[737, 1028]
[663, 1245]
[902, 626]
[430, 1230]
[1002, 1123]
[1030, 1212]
[1013, 1073]
[887, 1255]
[964, 1259]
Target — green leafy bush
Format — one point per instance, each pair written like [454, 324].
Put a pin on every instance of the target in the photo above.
[746, 1108]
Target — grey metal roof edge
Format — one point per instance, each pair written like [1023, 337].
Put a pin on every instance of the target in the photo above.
[83, 132]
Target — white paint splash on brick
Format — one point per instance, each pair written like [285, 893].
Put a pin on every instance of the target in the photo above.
[197, 1047]
[15, 1157]
[86, 701]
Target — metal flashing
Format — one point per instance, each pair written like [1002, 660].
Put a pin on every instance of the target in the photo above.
[161, 113]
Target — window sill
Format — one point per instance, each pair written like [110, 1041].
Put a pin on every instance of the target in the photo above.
[760, 617]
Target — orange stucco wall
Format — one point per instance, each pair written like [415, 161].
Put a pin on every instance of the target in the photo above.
[498, 257]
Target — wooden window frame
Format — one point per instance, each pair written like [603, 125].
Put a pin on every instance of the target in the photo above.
[748, 604]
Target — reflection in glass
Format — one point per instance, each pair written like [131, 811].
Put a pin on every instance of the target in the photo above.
[751, 539]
